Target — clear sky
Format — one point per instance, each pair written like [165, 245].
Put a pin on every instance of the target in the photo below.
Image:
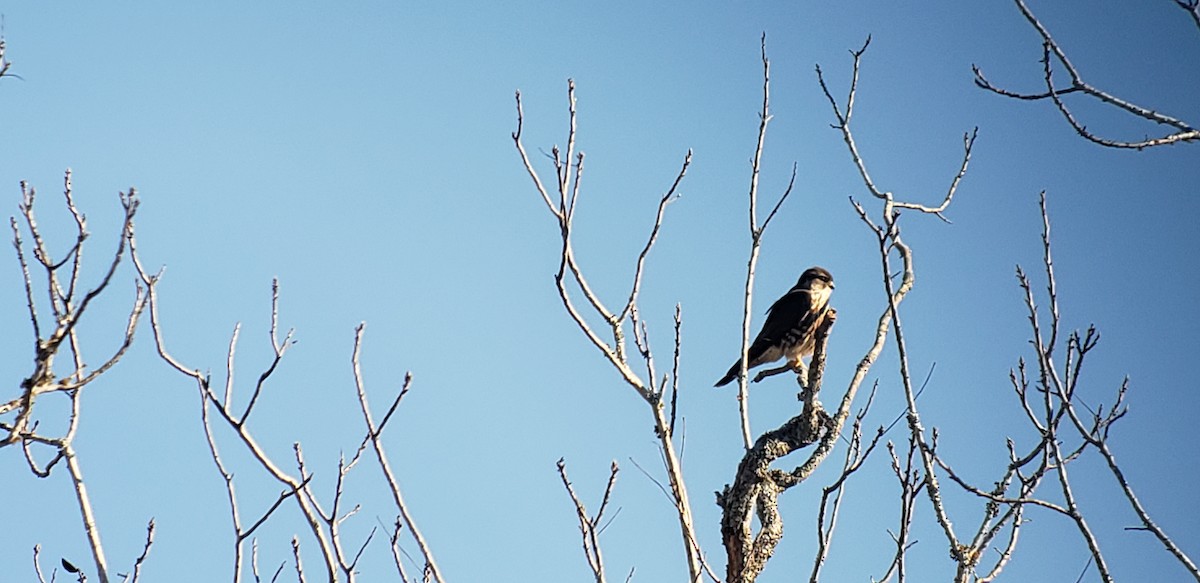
[361, 153]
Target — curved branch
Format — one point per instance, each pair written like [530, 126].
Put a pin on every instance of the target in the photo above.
[650, 392]
[1182, 131]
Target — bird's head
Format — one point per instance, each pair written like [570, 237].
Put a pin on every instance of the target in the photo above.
[819, 283]
[815, 278]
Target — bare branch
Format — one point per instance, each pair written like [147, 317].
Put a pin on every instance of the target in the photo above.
[786, 192]
[350, 569]
[304, 503]
[4, 62]
[827, 514]
[227, 477]
[844, 119]
[242, 535]
[137, 565]
[373, 433]
[997, 495]
[1094, 434]
[588, 525]
[615, 350]
[67, 313]
[843, 126]
[37, 331]
[889, 239]
[756, 232]
[756, 486]
[1192, 7]
[675, 366]
[914, 419]
[395, 540]
[537, 181]
[1143, 515]
[139, 305]
[968, 142]
[1077, 517]
[296, 557]
[658, 219]
[85, 510]
[278, 347]
[1179, 132]
[229, 365]
[37, 564]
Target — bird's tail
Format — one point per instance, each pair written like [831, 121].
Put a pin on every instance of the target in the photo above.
[729, 376]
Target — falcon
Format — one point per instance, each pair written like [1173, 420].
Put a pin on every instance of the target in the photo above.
[791, 326]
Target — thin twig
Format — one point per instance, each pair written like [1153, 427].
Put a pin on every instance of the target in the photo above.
[203, 384]
[764, 117]
[373, 433]
[588, 524]
[1180, 132]
[652, 391]
[137, 565]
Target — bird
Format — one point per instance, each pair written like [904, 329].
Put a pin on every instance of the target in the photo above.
[790, 329]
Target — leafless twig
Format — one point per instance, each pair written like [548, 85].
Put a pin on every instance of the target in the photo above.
[827, 513]
[568, 168]
[889, 241]
[1178, 130]
[374, 433]
[1192, 7]
[589, 526]
[37, 563]
[137, 565]
[238, 424]
[1054, 399]
[756, 234]
[296, 557]
[55, 328]
[4, 62]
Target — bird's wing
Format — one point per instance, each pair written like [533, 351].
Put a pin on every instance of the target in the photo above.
[792, 311]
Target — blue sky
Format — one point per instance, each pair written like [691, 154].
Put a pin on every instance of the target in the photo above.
[362, 154]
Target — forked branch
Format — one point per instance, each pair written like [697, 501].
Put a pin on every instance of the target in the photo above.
[1178, 130]
[756, 486]
[756, 234]
[589, 525]
[56, 333]
[374, 436]
[889, 240]
[652, 389]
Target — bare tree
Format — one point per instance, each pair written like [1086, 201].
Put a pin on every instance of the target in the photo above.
[55, 333]
[1177, 130]
[1050, 393]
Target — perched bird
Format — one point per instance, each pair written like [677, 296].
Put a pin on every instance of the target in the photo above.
[791, 326]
